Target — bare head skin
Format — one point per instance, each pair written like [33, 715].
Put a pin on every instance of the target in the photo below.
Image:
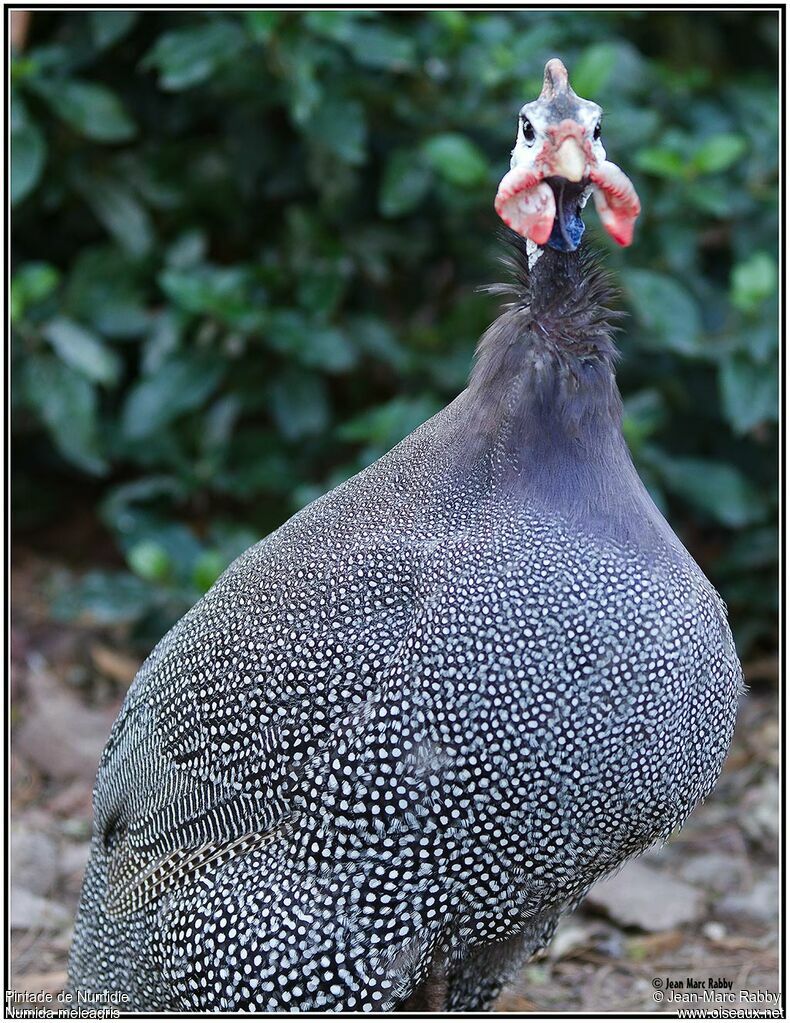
[559, 160]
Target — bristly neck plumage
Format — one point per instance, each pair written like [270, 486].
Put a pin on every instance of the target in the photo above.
[548, 360]
[542, 407]
[559, 318]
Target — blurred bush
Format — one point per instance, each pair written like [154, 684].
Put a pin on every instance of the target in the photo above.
[246, 246]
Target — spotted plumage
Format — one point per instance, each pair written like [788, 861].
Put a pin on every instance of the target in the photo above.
[407, 731]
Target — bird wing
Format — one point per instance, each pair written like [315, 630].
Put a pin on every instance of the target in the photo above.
[249, 689]
[130, 890]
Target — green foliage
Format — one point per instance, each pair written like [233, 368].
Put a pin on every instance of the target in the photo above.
[246, 246]
[27, 159]
[87, 108]
[456, 159]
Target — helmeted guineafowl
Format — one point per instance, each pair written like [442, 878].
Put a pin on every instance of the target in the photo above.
[405, 733]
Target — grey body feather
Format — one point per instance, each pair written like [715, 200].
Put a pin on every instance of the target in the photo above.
[416, 723]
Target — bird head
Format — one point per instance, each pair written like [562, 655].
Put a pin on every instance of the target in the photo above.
[558, 161]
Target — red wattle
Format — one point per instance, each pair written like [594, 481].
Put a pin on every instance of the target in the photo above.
[526, 205]
[616, 201]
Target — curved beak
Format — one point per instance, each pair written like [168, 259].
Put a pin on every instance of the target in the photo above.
[569, 160]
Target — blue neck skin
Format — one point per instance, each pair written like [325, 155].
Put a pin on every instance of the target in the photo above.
[568, 228]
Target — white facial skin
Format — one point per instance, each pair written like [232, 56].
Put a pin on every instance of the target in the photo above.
[568, 147]
[559, 136]
[530, 145]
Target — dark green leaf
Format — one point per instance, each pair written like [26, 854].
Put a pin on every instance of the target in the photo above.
[405, 184]
[83, 350]
[219, 423]
[149, 560]
[105, 598]
[187, 250]
[752, 281]
[631, 126]
[457, 159]
[330, 349]
[321, 287]
[668, 314]
[176, 542]
[299, 404]
[28, 155]
[379, 48]
[665, 163]
[716, 488]
[593, 70]
[208, 568]
[161, 341]
[179, 385]
[108, 27]
[229, 293]
[91, 109]
[103, 290]
[388, 424]
[344, 130]
[304, 89]
[232, 539]
[189, 56]
[121, 213]
[643, 415]
[718, 153]
[31, 284]
[312, 344]
[378, 340]
[20, 115]
[711, 197]
[261, 24]
[119, 510]
[751, 549]
[749, 392]
[66, 402]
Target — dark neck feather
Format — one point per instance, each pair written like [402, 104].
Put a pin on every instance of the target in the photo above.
[542, 406]
[560, 310]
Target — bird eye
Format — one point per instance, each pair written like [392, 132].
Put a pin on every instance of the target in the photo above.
[597, 131]
[529, 131]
